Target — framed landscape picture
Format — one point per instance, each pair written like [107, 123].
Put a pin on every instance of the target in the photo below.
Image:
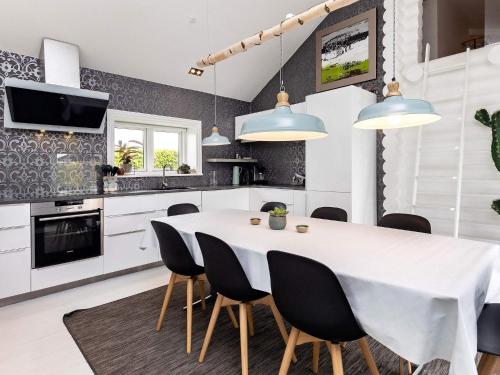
[346, 53]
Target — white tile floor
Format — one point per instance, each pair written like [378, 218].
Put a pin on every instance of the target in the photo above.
[33, 338]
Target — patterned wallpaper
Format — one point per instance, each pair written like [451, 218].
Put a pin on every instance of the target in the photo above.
[299, 74]
[33, 165]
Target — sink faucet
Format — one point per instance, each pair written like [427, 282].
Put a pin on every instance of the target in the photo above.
[164, 183]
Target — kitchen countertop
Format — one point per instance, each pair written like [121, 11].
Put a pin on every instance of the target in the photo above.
[4, 201]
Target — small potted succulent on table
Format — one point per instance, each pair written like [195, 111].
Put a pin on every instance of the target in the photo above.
[277, 218]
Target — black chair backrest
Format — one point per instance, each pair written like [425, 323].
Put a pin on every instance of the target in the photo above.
[310, 297]
[223, 269]
[413, 223]
[330, 213]
[174, 251]
[269, 206]
[182, 209]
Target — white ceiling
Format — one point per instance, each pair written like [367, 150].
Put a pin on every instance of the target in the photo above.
[158, 40]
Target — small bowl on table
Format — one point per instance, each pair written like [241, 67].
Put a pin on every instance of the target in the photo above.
[302, 228]
[255, 220]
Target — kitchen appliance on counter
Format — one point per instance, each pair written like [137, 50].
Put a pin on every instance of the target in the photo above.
[66, 230]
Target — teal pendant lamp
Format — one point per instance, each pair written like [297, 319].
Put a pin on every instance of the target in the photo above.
[396, 111]
[282, 124]
[215, 139]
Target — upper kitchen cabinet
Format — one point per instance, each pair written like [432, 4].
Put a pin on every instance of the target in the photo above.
[239, 121]
[345, 161]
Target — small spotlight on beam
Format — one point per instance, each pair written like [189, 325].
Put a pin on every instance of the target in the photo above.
[196, 72]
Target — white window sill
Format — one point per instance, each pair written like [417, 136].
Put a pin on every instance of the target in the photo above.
[158, 174]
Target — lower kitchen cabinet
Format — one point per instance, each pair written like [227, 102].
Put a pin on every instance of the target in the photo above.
[236, 199]
[122, 251]
[15, 267]
[295, 200]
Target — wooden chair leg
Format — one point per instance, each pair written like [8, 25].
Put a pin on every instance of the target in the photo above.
[201, 290]
[166, 300]
[401, 366]
[250, 319]
[230, 312]
[489, 365]
[189, 304]
[336, 354]
[370, 362]
[211, 326]
[244, 338]
[281, 325]
[410, 369]
[290, 348]
[316, 347]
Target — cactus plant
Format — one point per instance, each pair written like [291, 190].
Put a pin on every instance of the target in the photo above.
[492, 122]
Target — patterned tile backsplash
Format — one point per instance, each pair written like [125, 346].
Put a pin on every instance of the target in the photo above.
[34, 165]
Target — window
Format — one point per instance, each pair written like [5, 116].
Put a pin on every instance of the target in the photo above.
[452, 26]
[145, 144]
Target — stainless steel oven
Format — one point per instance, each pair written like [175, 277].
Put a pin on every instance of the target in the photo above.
[65, 231]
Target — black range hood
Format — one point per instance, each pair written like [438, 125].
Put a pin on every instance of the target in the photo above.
[58, 104]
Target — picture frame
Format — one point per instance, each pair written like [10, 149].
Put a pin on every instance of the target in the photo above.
[346, 53]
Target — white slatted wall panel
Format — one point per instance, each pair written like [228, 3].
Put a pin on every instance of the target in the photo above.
[440, 147]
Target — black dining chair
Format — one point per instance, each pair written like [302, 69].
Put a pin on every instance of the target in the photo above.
[413, 223]
[182, 209]
[269, 206]
[178, 259]
[227, 277]
[330, 213]
[488, 339]
[311, 299]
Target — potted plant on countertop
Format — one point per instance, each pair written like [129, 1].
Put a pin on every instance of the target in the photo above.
[492, 122]
[184, 169]
[126, 153]
[277, 218]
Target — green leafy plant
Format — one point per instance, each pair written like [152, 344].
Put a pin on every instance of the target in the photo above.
[278, 211]
[166, 157]
[493, 122]
[184, 169]
[125, 153]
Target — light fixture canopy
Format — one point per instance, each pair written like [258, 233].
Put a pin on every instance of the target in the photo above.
[283, 125]
[396, 112]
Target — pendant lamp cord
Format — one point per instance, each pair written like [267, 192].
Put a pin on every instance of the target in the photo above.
[394, 40]
[215, 94]
[282, 83]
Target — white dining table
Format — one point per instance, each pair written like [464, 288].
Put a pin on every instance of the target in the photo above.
[418, 294]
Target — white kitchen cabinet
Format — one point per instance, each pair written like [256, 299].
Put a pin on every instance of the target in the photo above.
[15, 250]
[125, 222]
[237, 199]
[345, 161]
[169, 199]
[47, 277]
[316, 199]
[238, 121]
[123, 251]
[294, 199]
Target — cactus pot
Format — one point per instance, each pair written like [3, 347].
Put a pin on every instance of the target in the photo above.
[277, 222]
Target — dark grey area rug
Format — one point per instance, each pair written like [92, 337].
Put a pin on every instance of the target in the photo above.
[120, 338]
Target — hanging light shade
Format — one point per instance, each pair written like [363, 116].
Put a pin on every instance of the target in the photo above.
[396, 112]
[215, 139]
[283, 125]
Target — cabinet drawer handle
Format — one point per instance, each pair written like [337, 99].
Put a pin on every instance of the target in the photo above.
[132, 213]
[14, 227]
[18, 250]
[129, 232]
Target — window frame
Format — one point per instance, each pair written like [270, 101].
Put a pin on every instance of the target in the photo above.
[149, 124]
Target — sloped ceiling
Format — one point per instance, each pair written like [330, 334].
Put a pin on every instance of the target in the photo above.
[158, 40]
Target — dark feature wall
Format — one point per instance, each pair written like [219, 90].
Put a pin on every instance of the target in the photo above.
[32, 165]
[283, 160]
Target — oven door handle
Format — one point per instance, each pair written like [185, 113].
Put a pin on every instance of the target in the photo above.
[68, 216]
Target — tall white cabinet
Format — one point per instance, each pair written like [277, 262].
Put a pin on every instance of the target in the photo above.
[341, 168]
